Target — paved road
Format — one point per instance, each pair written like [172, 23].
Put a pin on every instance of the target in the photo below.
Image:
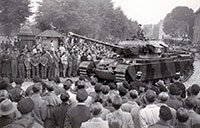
[195, 78]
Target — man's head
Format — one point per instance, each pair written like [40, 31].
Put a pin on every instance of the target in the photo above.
[195, 89]
[116, 102]
[182, 115]
[163, 97]
[37, 88]
[81, 95]
[133, 94]
[96, 109]
[64, 97]
[150, 96]
[165, 113]
[25, 105]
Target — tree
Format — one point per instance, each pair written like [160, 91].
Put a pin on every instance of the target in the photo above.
[13, 13]
[94, 18]
[179, 22]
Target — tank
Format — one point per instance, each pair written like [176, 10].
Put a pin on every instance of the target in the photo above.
[152, 59]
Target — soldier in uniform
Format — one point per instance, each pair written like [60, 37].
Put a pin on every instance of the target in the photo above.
[35, 65]
[14, 63]
[75, 63]
[27, 64]
[21, 66]
[70, 65]
[64, 62]
[6, 64]
[43, 62]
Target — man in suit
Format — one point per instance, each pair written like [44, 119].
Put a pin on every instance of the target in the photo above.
[78, 114]
[96, 121]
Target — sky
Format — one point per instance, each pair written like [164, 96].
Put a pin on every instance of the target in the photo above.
[146, 11]
[152, 11]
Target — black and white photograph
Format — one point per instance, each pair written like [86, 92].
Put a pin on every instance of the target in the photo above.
[99, 63]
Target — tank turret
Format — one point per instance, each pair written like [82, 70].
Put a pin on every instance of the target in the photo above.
[151, 58]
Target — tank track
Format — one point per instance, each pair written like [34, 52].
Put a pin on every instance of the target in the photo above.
[120, 72]
[83, 68]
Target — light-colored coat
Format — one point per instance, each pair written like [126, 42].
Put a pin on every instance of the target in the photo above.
[95, 123]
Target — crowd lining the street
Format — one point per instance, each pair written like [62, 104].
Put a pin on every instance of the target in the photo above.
[86, 103]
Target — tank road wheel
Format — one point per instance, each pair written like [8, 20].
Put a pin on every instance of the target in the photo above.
[86, 68]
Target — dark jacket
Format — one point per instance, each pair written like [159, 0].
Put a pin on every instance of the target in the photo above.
[76, 115]
[59, 114]
[161, 124]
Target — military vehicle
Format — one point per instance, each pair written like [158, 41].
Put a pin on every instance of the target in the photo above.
[152, 59]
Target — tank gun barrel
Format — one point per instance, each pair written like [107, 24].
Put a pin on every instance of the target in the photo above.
[71, 34]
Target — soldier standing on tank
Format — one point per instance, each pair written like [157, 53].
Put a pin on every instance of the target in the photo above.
[21, 59]
[14, 63]
[140, 32]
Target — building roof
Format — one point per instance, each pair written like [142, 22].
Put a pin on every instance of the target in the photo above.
[198, 11]
[25, 30]
[49, 33]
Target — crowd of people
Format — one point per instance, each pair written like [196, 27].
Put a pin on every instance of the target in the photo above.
[86, 103]
[46, 62]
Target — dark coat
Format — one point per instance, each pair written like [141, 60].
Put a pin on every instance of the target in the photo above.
[59, 114]
[174, 102]
[161, 124]
[76, 115]
[5, 120]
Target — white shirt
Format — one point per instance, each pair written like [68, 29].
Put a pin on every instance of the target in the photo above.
[149, 115]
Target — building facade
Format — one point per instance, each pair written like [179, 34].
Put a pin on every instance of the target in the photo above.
[196, 32]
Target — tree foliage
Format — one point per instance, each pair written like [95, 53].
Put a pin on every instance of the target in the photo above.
[94, 18]
[179, 22]
[13, 13]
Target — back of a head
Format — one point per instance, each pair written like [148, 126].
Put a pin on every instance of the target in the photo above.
[195, 89]
[165, 113]
[67, 85]
[150, 96]
[37, 87]
[81, 95]
[116, 102]
[122, 90]
[96, 109]
[190, 102]
[25, 105]
[173, 89]
[98, 87]
[105, 89]
[134, 94]
[64, 97]
[182, 115]
[163, 96]
[51, 86]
